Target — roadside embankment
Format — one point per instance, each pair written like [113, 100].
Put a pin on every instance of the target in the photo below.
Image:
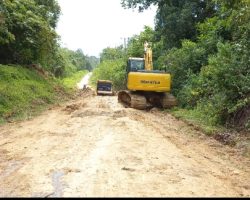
[25, 92]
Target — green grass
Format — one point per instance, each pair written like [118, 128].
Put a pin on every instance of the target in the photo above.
[198, 119]
[71, 82]
[23, 92]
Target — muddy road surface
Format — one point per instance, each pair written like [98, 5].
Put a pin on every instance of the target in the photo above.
[94, 147]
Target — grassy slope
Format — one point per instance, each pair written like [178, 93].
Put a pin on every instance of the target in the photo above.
[197, 119]
[24, 93]
[71, 82]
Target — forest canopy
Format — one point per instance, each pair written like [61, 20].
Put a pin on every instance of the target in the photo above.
[28, 36]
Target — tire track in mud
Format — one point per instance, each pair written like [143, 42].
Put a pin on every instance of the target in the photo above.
[94, 147]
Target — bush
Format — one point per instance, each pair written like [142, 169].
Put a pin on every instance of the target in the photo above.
[113, 70]
[224, 85]
[183, 62]
[191, 92]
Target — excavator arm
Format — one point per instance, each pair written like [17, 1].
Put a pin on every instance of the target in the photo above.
[148, 57]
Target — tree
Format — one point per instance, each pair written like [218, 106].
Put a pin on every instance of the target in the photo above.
[27, 33]
[113, 70]
[136, 43]
[205, 45]
[94, 61]
[79, 59]
[112, 53]
[73, 61]
[175, 19]
[141, 4]
[50, 10]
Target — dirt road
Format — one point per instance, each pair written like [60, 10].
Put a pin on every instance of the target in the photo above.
[94, 147]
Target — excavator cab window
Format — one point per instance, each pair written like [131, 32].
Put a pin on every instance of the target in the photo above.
[135, 65]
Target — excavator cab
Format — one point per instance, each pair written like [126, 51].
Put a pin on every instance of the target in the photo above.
[135, 64]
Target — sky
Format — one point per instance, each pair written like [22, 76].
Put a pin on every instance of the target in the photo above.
[92, 25]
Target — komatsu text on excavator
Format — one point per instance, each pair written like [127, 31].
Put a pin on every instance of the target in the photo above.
[146, 87]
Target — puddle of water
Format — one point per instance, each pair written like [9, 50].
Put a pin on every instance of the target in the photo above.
[57, 184]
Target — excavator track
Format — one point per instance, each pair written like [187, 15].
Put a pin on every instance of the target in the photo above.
[168, 101]
[143, 101]
[131, 100]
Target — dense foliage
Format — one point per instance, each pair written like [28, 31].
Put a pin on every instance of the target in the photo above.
[114, 60]
[28, 36]
[112, 67]
[30, 58]
[205, 45]
[27, 31]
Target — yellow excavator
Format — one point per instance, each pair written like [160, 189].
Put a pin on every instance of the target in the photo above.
[146, 87]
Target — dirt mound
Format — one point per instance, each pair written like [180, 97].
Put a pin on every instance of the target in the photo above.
[86, 92]
[119, 114]
[73, 107]
[226, 138]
